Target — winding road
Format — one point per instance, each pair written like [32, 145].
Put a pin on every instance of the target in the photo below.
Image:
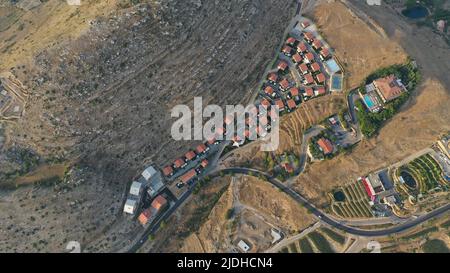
[331, 221]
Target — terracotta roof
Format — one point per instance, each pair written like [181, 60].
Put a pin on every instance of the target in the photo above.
[145, 216]
[190, 155]
[290, 40]
[188, 176]
[326, 145]
[204, 163]
[315, 67]
[301, 47]
[309, 92]
[325, 52]
[159, 202]
[265, 103]
[287, 49]
[305, 24]
[282, 65]
[320, 78]
[303, 68]
[201, 148]
[168, 170]
[293, 91]
[178, 163]
[309, 56]
[321, 90]
[309, 79]
[297, 58]
[291, 104]
[284, 84]
[280, 104]
[288, 167]
[317, 43]
[389, 87]
[272, 77]
[268, 90]
[309, 35]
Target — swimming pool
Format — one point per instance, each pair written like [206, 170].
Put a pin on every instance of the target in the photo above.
[336, 82]
[369, 101]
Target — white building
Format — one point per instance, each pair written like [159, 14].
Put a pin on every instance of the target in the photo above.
[149, 172]
[130, 206]
[136, 188]
[244, 246]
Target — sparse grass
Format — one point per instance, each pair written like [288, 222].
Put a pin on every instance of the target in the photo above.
[305, 245]
[333, 235]
[435, 246]
[320, 242]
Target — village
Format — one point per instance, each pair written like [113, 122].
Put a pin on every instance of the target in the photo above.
[304, 69]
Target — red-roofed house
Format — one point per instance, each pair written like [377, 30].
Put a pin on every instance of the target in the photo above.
[324, 54]
[291, 41]
[282, 65]
[159, 202]
[325, 145]
[317, 44]
[265, 103]
[284, 84]
[288, 168]
[305, 24]
[369, 189]
[190, 155]
[145, 216]
[320, 78]
[269, 91]
[303, 68]
[280, 104]
[315, 67]
[179, 163]
[187, 177]
[309, 57]
[273, 77]
[297, 58]
[389, 88]
[201, 148]
[308, 79]
[291, 104]
[293, 92]
[301, 47]
[204, 163]
[309, 92]
[287, 50]
[168, 171]
[320, 91]
[309, 36]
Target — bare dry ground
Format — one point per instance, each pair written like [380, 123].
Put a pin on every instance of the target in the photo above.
[104, 98]
[360, 48]
[257, 207]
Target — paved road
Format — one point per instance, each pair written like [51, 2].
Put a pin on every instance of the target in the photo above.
[333, 222]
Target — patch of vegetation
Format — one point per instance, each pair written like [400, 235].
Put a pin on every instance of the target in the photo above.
[421, 233]
[320, 242]
[305, 245]
[435, 246]
[370, 122]
[293, 248]
[333, 235]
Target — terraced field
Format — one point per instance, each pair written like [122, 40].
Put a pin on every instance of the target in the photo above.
[318, 241]
[421, 176]
[355, 204]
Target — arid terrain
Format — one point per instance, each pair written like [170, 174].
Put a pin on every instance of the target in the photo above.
[101, 100]
[101, 80]
[242, 211]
